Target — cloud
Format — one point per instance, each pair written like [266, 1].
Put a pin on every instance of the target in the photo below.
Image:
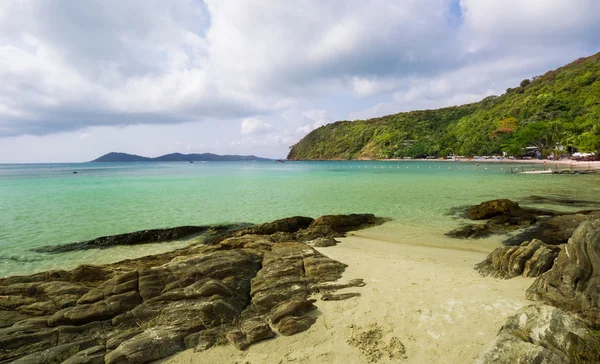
[254, 126]
[68, 66]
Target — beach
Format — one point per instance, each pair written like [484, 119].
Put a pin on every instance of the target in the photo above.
[421, 303]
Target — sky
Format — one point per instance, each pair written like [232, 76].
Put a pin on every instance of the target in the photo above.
[79, 79]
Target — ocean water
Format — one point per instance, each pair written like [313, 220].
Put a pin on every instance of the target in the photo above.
[46, 204]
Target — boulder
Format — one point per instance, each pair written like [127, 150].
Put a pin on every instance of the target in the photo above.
[554, 231]
[537, 334]
[573, 283]
[152, 344]
[238, 288]
[287, 225]
[249, 332]
[344, 223]
[291, 325]
[530, 259]
[339, 296]
[489, 209]
[323, 242]
[137, 237]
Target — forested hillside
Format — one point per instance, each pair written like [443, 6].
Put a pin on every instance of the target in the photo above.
[561, 107]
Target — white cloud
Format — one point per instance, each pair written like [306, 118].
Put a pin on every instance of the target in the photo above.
[254, 126]
[69, 66]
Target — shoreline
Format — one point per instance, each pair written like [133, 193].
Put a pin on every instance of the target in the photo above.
[434, 303]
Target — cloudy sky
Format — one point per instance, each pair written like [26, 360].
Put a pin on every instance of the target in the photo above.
[82, 78]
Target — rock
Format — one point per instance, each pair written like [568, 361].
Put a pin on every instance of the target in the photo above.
[152, 344]
[554, 231]
[324, 242]
[471, 231]
[573, 283]
[489, 209]
[57, 354]
[250, 332]
[344, 223]
[134, 238]
[338, 296]
[287, 225]
[291, 325]
[530, 259]
[291, 308]
[204, 340]
[282, 237]
[9, 318]
[316, 232]
[320, 268]
[536, 334]
[93, 355]
[146, 309]
[327, 287]
[18, 343]
[562, 201]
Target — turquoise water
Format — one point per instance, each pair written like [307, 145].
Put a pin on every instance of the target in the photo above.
[49, 204]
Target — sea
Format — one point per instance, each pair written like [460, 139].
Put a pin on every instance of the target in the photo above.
[49, 204]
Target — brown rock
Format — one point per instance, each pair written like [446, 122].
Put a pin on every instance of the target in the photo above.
[249, 332]
[489, 209]
[573, 283]
[530, 259]
[324, 242]
[291, 325]
[338, 296]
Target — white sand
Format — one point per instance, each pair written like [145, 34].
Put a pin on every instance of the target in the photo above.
[427, 297]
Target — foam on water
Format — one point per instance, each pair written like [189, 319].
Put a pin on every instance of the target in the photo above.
[49, 204]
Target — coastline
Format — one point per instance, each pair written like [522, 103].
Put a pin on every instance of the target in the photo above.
[427, 297]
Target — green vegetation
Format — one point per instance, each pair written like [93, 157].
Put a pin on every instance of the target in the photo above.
[560, 108]
[586, 350]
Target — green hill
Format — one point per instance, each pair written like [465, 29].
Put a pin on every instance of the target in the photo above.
[561, 107]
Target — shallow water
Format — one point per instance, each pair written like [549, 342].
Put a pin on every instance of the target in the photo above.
[48, 204]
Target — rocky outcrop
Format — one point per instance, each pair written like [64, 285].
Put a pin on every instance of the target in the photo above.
[573, 283]
[489, 209]
[530, 259]
[540, 334]
[140, 237]
[505, 216]
[555, 230]
[249, 285]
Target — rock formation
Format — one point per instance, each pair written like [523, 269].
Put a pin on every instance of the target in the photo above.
[530, 259]
[243, 287]
[141, 237]
[505, 216]
[573, 283]
[541, 334]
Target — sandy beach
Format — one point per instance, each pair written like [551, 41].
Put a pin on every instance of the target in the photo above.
[421, 304]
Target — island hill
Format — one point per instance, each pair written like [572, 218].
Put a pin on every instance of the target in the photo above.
[178, 157]
[562, 107]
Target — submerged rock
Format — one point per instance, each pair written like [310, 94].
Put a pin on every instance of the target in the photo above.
[489, 209]
[247, 286]
[538, 334]
[573, 283]
[138, 237]
[530, 259]
[554, 231]
[505, 216]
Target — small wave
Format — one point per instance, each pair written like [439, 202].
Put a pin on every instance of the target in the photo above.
[14, 258]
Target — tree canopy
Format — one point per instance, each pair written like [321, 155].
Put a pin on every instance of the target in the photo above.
[560, 108]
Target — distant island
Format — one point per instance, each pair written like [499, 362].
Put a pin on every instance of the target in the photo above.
[178, 157]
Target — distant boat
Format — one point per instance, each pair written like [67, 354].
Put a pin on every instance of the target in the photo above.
[279, 161]
[191, 161]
